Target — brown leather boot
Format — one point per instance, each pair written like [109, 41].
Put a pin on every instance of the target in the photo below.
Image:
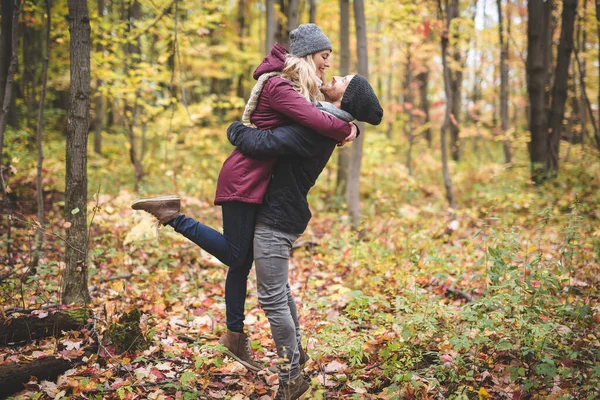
[165, 208]
[304, 357]
[293, 390]
[238, 348]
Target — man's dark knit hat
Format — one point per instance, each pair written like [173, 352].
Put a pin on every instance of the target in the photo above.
[360, 100]
[308, 39]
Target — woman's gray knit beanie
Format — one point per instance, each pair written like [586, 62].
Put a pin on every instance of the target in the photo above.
[308, 39]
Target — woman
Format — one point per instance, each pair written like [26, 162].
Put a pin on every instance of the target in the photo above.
[287, 86]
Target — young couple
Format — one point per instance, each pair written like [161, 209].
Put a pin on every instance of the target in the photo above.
[263, 186]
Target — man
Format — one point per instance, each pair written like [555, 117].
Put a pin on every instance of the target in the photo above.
[284, 214]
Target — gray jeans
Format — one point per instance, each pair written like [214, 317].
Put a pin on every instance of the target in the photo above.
[271, 259]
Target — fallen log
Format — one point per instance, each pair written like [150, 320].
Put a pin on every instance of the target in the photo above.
[13, 375]
[28, 328]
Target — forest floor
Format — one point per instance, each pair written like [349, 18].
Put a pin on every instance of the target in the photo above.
[506, 307]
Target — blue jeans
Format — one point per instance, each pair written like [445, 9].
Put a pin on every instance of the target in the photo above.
[233, 248]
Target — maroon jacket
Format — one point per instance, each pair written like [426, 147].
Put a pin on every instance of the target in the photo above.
[246, 179]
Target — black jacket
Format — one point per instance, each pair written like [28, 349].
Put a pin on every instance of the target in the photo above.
[302, 154]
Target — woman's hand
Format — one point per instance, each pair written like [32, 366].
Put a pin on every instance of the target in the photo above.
[351, 136]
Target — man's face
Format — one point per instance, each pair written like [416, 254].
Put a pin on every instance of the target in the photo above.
[334, 90]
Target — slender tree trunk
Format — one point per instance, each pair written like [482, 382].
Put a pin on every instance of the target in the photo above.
[6, 40]
[408, 101]
[357, 145]
[242, 30]
[538, 46]
[292, 15]
[423, 79]
[39, 238]
[98, 100]
[559, 89]
[447, 115]
[312, 18]
[10, 76]
[4, 114]
[75, 289]
[271, 25]
[344, 152]
[503, 84]
[456, 84]
[581, 41]
[598, 31]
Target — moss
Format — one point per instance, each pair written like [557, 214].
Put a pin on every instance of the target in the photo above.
[126, 335]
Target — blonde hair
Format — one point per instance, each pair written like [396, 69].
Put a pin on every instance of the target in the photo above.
[302, 72]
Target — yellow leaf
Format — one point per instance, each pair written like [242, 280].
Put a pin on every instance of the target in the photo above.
[483, 394]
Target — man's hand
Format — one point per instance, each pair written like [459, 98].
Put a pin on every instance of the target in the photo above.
[351, 136]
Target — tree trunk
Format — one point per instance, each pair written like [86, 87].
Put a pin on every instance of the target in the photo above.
[341, 185]
[312, 18]
[503, 84]
[27, 329]
[456, 78]
[539, 43]
[7, 84]
[447, 115]
[271, 25]
[39, 237]
[75, 289]
[98, 101]
[4, 115]
[559, 89]
[357, 145]
[6, 46]
[408, 101]
[423, 79]
[241, 33]
[598, 30]
[13, 376]
[292, 15]
[581, 42]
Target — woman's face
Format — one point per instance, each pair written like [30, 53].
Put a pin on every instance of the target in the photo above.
[321, 60]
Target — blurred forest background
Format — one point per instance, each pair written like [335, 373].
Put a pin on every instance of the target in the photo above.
[454, 250]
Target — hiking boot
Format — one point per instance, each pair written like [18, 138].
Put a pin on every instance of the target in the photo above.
[165, 208]
[297, 389]
[304, 357]
[238, 348]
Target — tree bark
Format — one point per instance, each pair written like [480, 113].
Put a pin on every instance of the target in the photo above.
[581, 41]
[271, 25]
[598, 30]
[10, 76]
[27, 329]
[357, 145]
[98, 100]
[241, 33]
[503, 84]
[423, 79]
[312, 18]
[538, 46]
[13, 376]
[408, 101]
[341, 185]
[559, 89]
[39, 237]
[447, 115]
[6, 41]
[75, 289]
[292, 15]
[456, 78]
